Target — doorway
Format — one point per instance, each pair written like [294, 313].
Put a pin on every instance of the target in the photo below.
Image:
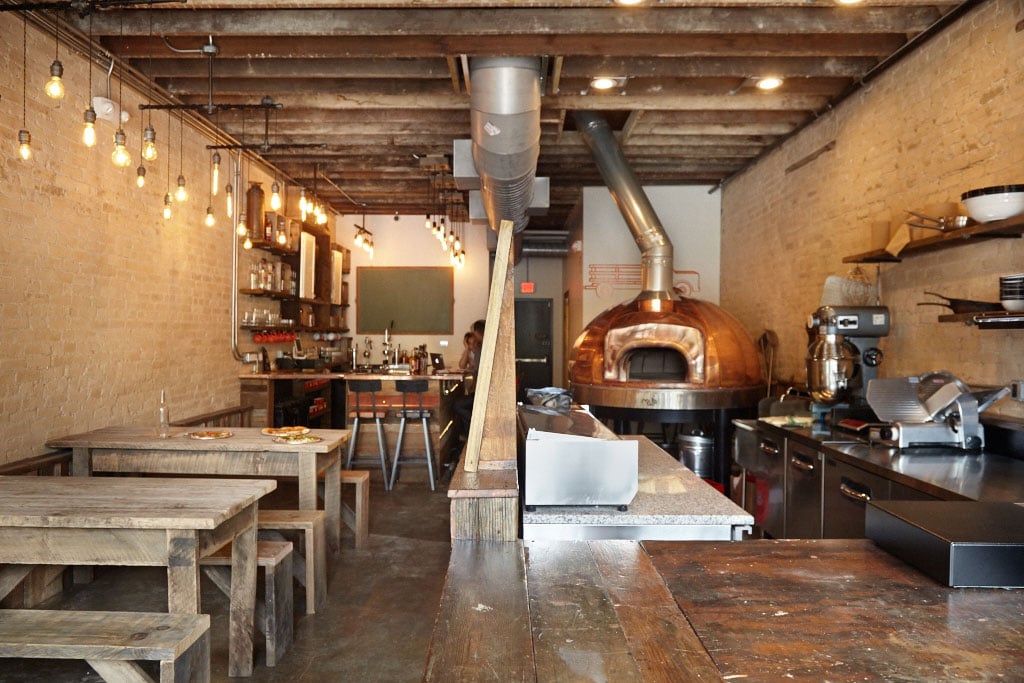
[533, 343]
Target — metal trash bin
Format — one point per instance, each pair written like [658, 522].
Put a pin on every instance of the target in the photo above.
[697, 452]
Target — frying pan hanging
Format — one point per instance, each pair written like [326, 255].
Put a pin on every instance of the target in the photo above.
[963, 305]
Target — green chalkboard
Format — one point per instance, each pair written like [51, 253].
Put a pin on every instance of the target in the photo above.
[408, 300]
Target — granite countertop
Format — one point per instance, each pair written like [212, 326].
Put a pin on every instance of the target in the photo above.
[668, 493]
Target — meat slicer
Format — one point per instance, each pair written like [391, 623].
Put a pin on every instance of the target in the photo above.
[933, 410]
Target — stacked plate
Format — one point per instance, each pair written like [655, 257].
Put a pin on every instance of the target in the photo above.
[1011, 292]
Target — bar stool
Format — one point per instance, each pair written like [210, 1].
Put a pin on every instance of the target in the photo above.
[360, 387]
[417, 387]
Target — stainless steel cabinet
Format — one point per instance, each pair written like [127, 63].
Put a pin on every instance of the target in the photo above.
[803, 491]
[901, 492]
[770, 493]
[845, 496]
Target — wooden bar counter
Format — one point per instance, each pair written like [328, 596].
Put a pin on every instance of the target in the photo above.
[763, 610]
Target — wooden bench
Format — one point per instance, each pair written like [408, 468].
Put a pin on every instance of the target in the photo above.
[274, 613]
[109, 641]
[358, 519]
[310, 568]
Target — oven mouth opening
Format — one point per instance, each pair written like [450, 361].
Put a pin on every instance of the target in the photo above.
[655, 365]
[654, 352]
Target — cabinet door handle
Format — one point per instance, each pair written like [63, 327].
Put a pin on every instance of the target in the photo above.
[769, 448]
[850, 492]
[802, 464]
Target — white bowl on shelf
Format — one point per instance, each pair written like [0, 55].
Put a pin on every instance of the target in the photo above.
[987, 204]
[1015, 305]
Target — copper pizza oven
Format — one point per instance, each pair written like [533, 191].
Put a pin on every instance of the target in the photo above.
[666, 354]
[661, 357]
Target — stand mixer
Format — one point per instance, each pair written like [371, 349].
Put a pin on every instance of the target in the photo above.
[843, 357]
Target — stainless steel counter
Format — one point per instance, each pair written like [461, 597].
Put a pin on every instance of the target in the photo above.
[948, 474]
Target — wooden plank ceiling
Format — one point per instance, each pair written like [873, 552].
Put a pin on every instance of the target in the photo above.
[379, 85]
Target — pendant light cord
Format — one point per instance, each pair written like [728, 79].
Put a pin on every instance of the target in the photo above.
[24, 73]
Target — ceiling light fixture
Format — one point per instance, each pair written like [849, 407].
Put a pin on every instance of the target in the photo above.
[89, 117]
[167, 179]
[607, 82]
[121, 157]
[24, 137]
[215, 174]
[181, 194]
[140, 172]
[55, 86]
[769, 82]
[275, 196]
[149, 152]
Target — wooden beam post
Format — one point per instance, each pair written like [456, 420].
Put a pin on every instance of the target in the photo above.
[492, 431]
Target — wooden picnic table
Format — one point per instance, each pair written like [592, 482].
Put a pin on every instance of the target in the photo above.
[246, 453]
[142, 522]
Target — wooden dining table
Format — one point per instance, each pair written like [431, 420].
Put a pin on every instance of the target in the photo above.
[246, 452]
[142, 522]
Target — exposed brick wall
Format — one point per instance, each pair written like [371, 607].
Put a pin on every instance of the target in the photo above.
[102, 302]
[947, 119]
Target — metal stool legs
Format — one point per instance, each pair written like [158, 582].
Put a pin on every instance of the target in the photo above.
[359, 387]
[405, 414]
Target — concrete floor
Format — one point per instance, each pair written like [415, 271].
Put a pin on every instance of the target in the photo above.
[381, 600]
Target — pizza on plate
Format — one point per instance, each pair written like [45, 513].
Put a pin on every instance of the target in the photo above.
[297, 438]
[285, 431]
[214, 434]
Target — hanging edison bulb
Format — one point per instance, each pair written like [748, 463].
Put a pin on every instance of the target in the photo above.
[275, 196]
[55, 86]
[247, 244]
[230, 200]
[167, 206]
[426, 223]
[149, 152]
[462, 259]
[89, 127]
[210, 220]
[140, 176]
[215, 175]
[121, 157]
[25, 144]
[282, 238]
[241, 228]
[181, 194]
[457, 244]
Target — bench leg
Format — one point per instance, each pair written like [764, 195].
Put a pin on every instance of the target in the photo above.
[119, 672]
[358, 519]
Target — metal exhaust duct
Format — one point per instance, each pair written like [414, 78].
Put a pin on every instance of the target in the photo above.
[505, 124]
[656, 254]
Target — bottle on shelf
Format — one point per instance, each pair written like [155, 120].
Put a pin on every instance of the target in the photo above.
[165, 416]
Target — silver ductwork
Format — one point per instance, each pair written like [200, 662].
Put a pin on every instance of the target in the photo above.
[505, 122]
[656, 257]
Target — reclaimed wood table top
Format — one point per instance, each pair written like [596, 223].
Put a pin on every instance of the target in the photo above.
[120, 503]
[837, 609]
[242, 439]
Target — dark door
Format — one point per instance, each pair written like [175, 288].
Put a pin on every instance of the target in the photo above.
[533, 343]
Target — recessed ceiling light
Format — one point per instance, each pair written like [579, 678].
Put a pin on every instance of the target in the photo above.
[769, 83]
[607, 82]
[630, 3]
[849, 2]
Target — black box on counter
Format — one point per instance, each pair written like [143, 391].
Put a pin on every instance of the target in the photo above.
[958, 543]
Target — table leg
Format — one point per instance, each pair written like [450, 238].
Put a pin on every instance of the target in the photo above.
[332, 503]
[183, 571]
[243, 597]
[81, 466]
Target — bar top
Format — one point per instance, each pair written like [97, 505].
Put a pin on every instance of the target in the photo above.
[325, 374]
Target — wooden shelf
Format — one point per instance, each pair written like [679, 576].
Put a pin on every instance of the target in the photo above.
[273, 248]
[999, 320]
[269, 293]
[1010, 227]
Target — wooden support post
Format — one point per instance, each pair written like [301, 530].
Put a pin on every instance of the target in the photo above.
[492, 443]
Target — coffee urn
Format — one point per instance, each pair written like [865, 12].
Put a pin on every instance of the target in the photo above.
[843, 354]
